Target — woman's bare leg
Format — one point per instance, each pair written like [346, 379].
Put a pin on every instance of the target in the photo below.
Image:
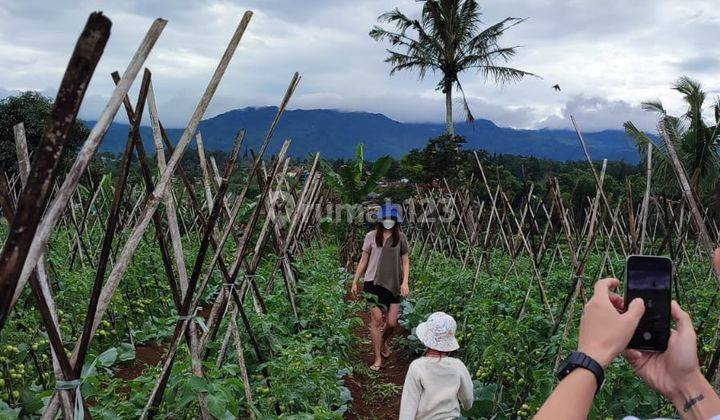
[391, 322]
[376, 334]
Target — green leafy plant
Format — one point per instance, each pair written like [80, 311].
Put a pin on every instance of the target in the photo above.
[352, 184]
[512, 360]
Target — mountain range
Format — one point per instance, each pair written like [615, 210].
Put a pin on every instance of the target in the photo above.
[335, 134]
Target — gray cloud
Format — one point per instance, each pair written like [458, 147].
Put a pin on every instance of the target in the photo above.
[699, 64]
[608, 57]
[595, 114]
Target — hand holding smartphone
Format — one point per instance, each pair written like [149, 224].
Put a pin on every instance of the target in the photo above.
[650, 278]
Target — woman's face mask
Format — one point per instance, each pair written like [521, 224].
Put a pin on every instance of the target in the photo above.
[388, 223]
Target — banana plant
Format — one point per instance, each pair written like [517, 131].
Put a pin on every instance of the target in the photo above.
[352, 184]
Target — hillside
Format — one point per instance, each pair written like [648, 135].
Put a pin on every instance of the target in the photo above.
[335, 134]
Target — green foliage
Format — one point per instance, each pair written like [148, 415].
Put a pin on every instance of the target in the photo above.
[512, 360]
[695, 142]
[442, 157]
[306, 370]
[31, 109]
[351, 182]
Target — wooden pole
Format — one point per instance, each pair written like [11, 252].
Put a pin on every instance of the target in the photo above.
[686, 189]
[646, 199]
[57, 207]
[34, 197]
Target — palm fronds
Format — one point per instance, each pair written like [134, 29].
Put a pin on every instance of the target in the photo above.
[447, 38]
[695, 142]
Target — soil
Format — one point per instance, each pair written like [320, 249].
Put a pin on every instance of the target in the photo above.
[366, 404]
[149, 354]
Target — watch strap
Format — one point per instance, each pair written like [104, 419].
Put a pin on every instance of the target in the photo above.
[579, 359]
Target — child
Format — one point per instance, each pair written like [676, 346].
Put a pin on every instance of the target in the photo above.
[436, 381]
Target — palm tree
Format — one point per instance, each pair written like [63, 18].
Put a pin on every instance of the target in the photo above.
[353, 185]
[696, 143]
[448, 38]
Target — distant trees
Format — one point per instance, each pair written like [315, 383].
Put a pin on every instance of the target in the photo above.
[696, 143]
[448, 39]
[441, 158]
[31, 108]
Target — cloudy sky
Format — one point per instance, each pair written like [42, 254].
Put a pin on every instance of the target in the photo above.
[607, 56]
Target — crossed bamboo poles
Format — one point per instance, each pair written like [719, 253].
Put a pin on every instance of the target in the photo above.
[547, 233]
[562, 234]
[22, 259]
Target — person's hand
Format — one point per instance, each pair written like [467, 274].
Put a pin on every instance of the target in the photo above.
[604, 331]
[354, 288]
[678, 365]
[404, 289]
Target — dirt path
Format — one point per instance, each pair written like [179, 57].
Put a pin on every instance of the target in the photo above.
[377, 395]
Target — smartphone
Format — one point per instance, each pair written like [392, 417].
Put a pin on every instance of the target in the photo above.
[650, 278]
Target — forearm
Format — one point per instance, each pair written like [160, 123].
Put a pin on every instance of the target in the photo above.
[406, 271]
[466, 393]
[696, 398]
[360, 270]
[572, 398]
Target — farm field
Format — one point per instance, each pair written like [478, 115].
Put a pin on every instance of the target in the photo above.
[511, 358]
[306, 368]
[179, 279]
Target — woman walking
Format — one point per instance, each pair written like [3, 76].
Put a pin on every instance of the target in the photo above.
[385, 262]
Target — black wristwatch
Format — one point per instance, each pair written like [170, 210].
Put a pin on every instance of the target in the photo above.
[579, 359]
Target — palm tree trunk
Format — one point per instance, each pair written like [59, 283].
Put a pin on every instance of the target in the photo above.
[448, 111]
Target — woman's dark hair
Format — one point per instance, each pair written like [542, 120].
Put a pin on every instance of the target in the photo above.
[379, 233]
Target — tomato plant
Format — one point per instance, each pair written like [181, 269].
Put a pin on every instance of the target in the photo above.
[512, 360]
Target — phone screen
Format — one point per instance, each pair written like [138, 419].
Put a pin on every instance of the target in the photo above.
[650, 278]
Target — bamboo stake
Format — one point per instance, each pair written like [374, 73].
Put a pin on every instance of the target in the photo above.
[241, 362]
[169, 206]
[192, 298]
[686, 190]
[153, 201]
[646, 199]
[41, 272]
[34, 197]
[204, 168]
[85, 154]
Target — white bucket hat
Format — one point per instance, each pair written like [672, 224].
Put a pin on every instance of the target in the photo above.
[438, 332]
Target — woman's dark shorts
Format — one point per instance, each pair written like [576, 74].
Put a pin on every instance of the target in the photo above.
[380, 295]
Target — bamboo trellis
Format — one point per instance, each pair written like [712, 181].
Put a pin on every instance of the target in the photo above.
[543, 232]
[276, 229]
